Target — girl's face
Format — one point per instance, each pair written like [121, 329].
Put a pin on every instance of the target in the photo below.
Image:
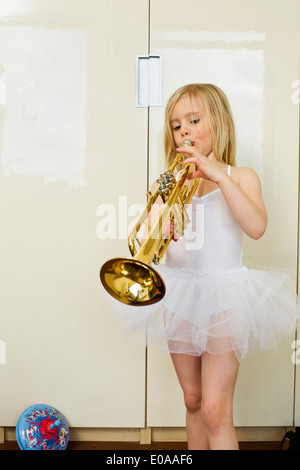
[188, 122]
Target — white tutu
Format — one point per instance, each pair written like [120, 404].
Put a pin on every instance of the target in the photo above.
[213, 303]
[216, 312]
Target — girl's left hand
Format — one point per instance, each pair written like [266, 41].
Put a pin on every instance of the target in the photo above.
[206, 166]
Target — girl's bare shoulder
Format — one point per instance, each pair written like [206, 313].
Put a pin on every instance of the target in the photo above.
[245, 176]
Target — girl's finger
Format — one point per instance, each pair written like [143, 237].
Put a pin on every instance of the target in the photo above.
[194, 174]
[186, 151]
[190, 160]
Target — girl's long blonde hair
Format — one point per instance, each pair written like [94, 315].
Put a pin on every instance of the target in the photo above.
[219, 119]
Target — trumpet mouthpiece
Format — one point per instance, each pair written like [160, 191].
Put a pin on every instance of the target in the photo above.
[186, 143]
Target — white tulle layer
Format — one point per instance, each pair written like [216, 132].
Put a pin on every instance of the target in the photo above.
[218, 312]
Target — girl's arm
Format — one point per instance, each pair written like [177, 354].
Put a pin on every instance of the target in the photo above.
[245, 201]
[243, 197]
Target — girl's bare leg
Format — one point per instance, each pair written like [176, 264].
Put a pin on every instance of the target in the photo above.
[208, 385]
[188, 369]
[219, 373]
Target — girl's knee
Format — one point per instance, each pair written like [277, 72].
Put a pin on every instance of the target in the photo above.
[192, 401]
[216, 415]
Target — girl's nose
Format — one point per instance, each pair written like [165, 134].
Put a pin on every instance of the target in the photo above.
[185, 130]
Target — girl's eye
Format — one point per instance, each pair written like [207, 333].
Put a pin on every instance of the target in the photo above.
[195, 121]
[176, 128]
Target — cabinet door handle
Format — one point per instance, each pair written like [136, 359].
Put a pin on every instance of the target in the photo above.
[148, 81]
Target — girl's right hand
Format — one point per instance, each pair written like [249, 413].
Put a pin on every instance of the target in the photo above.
[207, 167]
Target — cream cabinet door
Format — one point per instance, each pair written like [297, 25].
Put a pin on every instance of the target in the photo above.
[72, 142]
[251, 50]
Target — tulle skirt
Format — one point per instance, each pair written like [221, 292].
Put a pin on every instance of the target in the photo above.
[233, 310]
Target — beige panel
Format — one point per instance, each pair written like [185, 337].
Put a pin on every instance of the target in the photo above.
[251, 50]
[67, 93]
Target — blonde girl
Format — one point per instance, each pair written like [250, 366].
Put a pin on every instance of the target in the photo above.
[215, 311]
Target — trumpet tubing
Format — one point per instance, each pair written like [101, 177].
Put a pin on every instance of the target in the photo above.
[134, 281]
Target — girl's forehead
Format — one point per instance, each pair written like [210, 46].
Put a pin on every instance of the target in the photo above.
[188, 104]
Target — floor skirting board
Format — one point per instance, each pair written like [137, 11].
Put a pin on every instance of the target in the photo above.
[151, 435]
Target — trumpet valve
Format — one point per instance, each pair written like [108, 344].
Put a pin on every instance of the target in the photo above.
[166, 177]
[166, 183]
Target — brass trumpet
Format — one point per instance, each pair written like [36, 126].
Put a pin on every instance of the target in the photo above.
[134, 281]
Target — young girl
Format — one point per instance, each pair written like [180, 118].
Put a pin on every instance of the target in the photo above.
[215, 310]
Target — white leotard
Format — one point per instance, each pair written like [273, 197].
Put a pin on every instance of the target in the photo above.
[212, 241]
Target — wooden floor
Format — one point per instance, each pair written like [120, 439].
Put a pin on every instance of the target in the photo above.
[12, 445]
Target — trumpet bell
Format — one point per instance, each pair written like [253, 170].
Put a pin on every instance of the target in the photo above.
[132, 282]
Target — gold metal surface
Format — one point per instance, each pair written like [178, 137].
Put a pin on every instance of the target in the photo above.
[134, 281]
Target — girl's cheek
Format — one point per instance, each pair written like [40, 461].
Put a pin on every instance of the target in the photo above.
[203, 135]
[200, 139]
[176, 139]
